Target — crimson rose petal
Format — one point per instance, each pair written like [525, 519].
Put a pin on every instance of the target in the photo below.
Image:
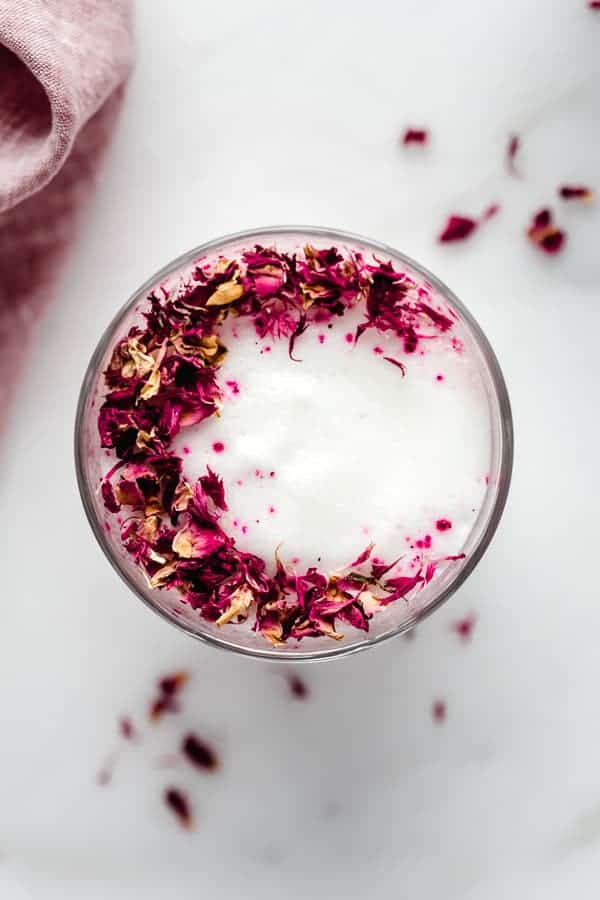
[298, 687]
[544, 233]
[438, 711]
[457, 228]
[362, 557]
[575, 192]
[179, 805]
[415, 136]
[199, 753]
[511, 151]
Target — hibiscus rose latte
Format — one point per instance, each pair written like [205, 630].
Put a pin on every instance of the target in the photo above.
[298, 442]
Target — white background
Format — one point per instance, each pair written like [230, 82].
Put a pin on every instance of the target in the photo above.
[245, 114]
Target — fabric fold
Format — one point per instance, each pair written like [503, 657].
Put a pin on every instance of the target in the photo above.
[63, 64]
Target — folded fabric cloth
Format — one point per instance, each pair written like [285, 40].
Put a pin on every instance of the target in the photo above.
[63, 64]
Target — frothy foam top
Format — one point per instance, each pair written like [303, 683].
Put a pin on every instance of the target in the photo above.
[323, 456]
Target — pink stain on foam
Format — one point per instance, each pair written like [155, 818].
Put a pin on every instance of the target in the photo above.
[321, 338]
[233, 386]
[349, 338]
[272, 509]
[244, 529]
[439, 377]
[186, 450]
[218, 446]
[378, 351]
[424, 543]
[321, 315]
[443, 524]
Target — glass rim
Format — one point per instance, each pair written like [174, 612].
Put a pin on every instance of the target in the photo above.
[505, 431]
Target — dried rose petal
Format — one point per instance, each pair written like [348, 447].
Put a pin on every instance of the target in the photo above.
[172, 684]
[151, 386]
[226, 293]
[315, 628]
[194, 542]
[298, 687]
[464, 627]
[108, 495]
[179, 805]
[397, 363]
[160, 706]
[105, 774]
[355, 615]
[362, 557]
[439, 711]
[380, 568]
[542, 219]
[457, 228]
[198, 753]
[126, 728]
[576, 192]
[368, 602]
[212, 486]
[168, 688]
[544, 233]
[401, 586]
[489, 213]
[104, 777]
[514, 144]
[239, 602]
[299, 330]
[415, 136]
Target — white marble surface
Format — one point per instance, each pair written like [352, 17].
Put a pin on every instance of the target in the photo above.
[252, 114]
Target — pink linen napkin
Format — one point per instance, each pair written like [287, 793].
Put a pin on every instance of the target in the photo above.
[63, 64]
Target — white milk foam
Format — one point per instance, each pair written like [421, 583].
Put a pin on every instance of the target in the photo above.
[360, 453]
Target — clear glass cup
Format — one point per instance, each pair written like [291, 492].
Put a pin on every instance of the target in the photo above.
[398, 617]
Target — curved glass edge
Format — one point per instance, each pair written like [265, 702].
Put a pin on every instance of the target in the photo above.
[506, 450]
